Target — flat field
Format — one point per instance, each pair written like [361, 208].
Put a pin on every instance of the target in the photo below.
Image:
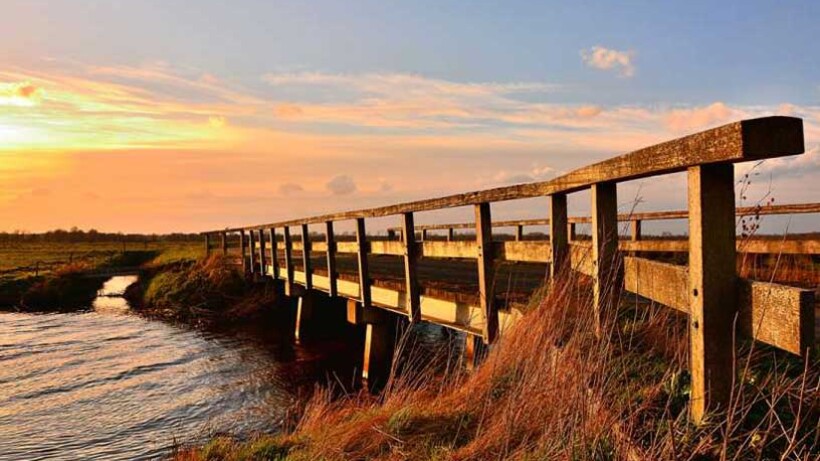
[37, 258]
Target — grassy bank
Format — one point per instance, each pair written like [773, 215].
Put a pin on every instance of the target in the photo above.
[37, 276]
[552, 390]
[200, 291]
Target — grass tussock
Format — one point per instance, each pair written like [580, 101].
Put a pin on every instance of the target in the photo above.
[552, 390]
[205, 289]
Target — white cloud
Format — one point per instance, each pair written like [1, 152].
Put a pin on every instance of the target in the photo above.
[609, 59]
[341, 185]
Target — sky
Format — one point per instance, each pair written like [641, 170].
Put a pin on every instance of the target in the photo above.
[160, 116]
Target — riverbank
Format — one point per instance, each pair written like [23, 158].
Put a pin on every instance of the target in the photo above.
[550, 389]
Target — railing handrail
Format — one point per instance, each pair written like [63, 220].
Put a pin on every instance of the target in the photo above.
[795, 208]
[766, 137]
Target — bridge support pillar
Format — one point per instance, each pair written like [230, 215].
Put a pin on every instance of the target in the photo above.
[475, 351]
[380, 330]
[318, 315]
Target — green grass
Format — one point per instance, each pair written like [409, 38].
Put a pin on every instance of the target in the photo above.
[21, 260]
[37, 276]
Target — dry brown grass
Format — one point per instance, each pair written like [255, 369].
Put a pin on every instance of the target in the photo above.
[550, 389]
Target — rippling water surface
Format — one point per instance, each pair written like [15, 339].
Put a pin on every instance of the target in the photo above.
[107, 384]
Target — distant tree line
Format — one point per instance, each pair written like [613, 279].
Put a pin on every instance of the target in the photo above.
[75, 235]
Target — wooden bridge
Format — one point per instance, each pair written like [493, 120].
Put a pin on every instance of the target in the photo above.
[474, 282]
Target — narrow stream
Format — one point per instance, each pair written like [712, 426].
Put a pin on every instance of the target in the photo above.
[108, 384]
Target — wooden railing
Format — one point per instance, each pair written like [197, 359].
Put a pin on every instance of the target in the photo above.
[708, 289]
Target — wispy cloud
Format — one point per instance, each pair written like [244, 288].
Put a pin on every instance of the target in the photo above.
[610, 59]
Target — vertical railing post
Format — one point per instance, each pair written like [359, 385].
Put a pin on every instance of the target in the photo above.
[712, 278]
[274, 253]
[451, 234]
[364, 268]
[410, 273]
[484, 243]
[636, 229]
[572, 231]
[252, 252]
[242, 250]
[391, 234]
[424, 235]
[330, 240]
[207, 245]
[519, 233]
[224, 244]
[559, 239]
[306, 263]
[289, 269]
[607, 269]
[263, 269]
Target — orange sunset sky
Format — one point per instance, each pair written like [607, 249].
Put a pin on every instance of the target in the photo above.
[149, 117]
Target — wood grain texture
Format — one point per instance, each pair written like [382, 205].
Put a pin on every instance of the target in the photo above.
[411, 255]
[330, 256]
[777, 315]
[364, 272]
[559, 234]
[607, 267]
[486, 267]
[667, 284]
[712, 286]
[289, 268]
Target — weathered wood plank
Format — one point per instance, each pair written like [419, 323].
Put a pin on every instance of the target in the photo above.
[207, 245]
[410, 271]
[242, 246]
[306, 263]
[789, 209]
[262, 262]
[252, 250]
[224, 237]
[712, 286]
[753, 139]
[274, 252]
[289, 268]
[777, 315]
[559, 236]
[447, 313]
[667, 284]
[486, 279]
[364, 272]
[607, 266]
[330, 252]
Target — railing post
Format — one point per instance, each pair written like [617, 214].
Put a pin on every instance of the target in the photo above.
[330, 240]
[251, 252]
[274, 253]
[242, 250]
[519, 233]
[712, 278]
[571, 230]
[224, 244]
[424, 235]
[484, 241]
[607, 268]
[306, 263]
[364, 268]
[410, 274]
[289, 269]
[207, 245]
[451, 234]
[636, 230]
[262, 263]
[559, 243]
[391, 234]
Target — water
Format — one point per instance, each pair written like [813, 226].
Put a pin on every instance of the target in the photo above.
[108, 384]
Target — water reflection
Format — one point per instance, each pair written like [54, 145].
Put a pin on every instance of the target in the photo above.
[94, 385]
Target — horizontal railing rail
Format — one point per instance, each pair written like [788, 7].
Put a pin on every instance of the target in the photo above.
[708, 289]
[741, 212]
